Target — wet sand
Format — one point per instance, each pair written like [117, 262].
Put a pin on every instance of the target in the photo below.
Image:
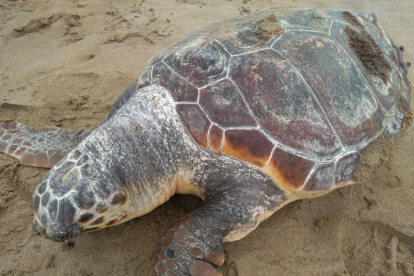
[64, 63]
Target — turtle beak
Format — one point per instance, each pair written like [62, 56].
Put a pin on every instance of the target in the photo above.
[61, 233]
[57, 232]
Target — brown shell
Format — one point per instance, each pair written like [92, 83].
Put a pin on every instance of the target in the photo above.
[296, 92]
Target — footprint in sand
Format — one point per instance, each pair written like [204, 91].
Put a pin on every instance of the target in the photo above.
[372, 248]
[36, 25]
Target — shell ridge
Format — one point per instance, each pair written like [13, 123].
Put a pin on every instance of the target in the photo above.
[290, 149]
[330, 27]
[314, 96]
[178, 103]
[244, 100]
[151, 78]
[208, 134]
[270, 157]
[205, 86]
[395, 67]
[225, 49]
[315, 166]
[339, 157]
[222, 141]
[250, 52]
[242, 127]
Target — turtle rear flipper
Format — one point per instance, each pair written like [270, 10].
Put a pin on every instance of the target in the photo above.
[42, 147]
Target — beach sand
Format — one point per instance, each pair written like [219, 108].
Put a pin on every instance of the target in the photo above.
[64, 63]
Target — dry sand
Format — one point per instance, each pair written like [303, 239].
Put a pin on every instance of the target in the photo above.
[64, 63]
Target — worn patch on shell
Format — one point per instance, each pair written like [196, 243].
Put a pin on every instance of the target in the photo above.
[196, 122]
[282, 103]
[268, 28]
[321, 178]
[353, 20]
[369, 52]
[342, 92]
[242, 38]
[248, 145]
[378, 87]
[223, 104]
[201, 62]
[180, 89]
[288, 169]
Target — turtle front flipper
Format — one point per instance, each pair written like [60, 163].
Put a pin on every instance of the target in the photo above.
[193, 245]
[42, 147]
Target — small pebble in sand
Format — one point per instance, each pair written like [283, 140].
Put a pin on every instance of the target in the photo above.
[319, 223]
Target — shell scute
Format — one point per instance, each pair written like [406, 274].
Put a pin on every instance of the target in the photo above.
[221, 102]
[248, 145]
[201, 62]
[67, 212]
[289, 169]
[196, 122]
[85, 217]
[45, 199]
[344, 169]
[181, 90]
[52, 210]
[41, 188]
[350, 106]
[64, 179]
[321, 179]
[102, 190]
[83, 195]
[282, 103]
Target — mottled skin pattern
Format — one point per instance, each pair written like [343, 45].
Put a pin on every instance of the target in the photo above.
[247, 122]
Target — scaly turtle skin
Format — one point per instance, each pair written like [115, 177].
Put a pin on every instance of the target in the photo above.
[249, 114]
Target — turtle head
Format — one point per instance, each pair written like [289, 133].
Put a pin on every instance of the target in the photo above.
[75, 197]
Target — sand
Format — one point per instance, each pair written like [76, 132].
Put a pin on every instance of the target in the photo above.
[64, 63]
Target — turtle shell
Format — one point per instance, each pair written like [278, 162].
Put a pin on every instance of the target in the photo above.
[297, 93]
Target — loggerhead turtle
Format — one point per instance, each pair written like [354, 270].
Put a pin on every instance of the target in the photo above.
[249, 114]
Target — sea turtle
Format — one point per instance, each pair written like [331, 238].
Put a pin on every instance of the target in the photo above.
[249, 114]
